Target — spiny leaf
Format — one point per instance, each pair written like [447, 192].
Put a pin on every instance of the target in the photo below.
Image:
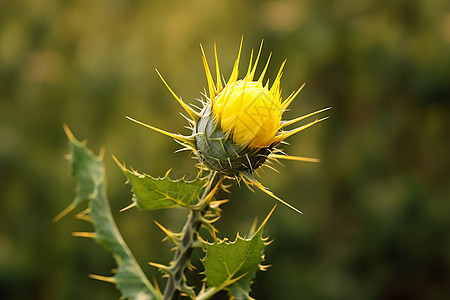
[151, 193]
[88, 170]
[233, 265]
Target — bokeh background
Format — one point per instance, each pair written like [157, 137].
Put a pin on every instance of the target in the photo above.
[376, 220]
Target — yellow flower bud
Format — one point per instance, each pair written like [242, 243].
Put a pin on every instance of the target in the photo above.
[240, 124]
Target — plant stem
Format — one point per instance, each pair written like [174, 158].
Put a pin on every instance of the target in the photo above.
[189, 236]
[182, 256]
[208, 293]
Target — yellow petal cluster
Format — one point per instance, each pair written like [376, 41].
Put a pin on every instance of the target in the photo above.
[249, 112]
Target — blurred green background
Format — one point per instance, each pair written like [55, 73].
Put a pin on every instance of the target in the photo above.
[376, 221]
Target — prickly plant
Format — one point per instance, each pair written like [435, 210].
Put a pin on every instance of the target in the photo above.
[236, 131]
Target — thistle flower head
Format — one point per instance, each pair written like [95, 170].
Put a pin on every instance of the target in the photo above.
[247, 110]
[240, 125]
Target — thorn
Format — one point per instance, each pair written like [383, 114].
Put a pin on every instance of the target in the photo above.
[84, 234]
[84, 215]
[217, 203]
[191, 267]
[69, 133]
[164, 229]
[101, 153]
[211, 194]
[179, 137]
[287, 123]
[159, 266]
[268, 243]
[103, 278]
[192, 113]
[156, 285]
[264, 268]
[296, 158]
[252, 230]
[268, 192]
[121, 166]
[284, 135]
[169, 234]
[225, 187]
[65, 212]
[268, 216]
[128, 207]
[200, 243]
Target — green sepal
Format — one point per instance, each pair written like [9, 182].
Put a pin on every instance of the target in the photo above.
[151, 193]
[232, 265]
[218, 152]
[89, 172]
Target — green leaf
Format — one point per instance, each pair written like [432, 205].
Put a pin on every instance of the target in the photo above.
[233, 265]
[151, 193]
[89, 173]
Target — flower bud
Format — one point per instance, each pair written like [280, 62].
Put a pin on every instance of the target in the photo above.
[240, 124]
[220, 153]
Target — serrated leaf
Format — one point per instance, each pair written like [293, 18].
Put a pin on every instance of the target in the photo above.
[233, 265]
[151, 193]
[88, 170]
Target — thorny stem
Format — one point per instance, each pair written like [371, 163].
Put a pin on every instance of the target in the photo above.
[189, 236]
